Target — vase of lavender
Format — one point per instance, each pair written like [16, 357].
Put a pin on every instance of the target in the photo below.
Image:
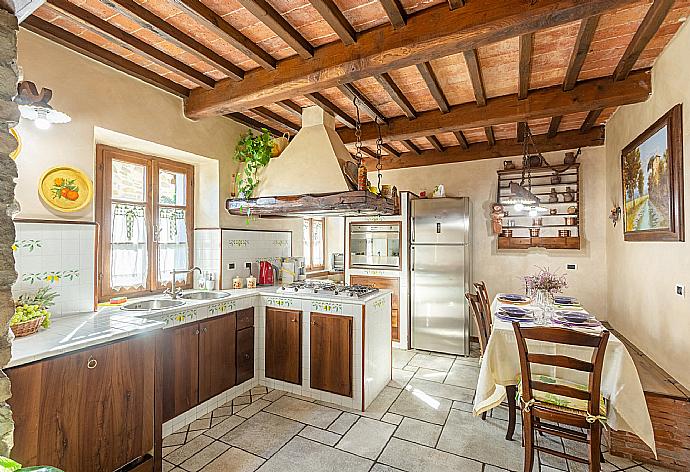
[544, 285]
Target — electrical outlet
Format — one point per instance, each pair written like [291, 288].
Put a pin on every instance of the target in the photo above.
[680, 290]
[247, 265]
[231, 266]
[571, 267]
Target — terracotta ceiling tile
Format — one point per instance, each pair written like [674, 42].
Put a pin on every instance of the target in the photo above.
[551, 54]
[46, 13]
[94, 38]
[447, 139]
[540, 126]
[505, 131]
[285, 114]
[363, 14]
[422, 143]
[162, 8]
[452, 75]
[412, 6]
[474, 135]
[378, 97]
[223, 7]
[572, 121]
[412, 85]
[499, 63]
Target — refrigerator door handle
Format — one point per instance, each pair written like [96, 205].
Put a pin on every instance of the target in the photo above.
[412, 259]
[412, 229]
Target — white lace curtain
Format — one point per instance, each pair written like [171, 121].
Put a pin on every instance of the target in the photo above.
[129, 249]
[173, 247]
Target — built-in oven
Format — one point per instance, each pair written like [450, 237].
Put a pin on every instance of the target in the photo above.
[375, 245]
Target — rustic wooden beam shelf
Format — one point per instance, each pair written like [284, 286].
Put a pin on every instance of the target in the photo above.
[547, 243]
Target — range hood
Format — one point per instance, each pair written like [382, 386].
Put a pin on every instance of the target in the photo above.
[308, 177]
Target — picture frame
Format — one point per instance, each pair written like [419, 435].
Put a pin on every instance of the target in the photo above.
[652, 181]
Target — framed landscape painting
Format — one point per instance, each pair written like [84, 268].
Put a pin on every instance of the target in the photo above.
[652, 173]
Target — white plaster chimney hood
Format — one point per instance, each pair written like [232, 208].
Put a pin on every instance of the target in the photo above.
[308, 179]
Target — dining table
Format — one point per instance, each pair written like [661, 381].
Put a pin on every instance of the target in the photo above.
[499, 373]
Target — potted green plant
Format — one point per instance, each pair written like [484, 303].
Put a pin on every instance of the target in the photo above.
[8, 465]
[255, 151]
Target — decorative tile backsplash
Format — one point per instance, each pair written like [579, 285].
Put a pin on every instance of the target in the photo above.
[240, 247]
[207, 254]
[61, 256]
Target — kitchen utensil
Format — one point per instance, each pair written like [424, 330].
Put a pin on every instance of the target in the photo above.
[572, 210]
[555, 179]
[569, 158]
[569, 195]
[553, 196]
[537, 221]
[266, 273]
[563, 233]
[237, 282]
[534, 232]
[570, 220]
[508, 165]
[251, 282]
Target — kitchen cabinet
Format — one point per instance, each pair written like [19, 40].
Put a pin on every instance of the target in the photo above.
[90, 410]
[216, 355]
[180, 348]
[283, 345]
[331, 353]
[384, 283]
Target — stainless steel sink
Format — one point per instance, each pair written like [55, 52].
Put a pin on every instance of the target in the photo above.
[204, 295]
[158, 304]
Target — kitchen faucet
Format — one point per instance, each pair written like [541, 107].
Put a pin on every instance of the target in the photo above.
[176, 292]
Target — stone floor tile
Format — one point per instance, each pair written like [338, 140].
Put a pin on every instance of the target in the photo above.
[620, 462]
[338, 407]
[222, 411]
[416, 404]
[182, 429]
[463, 406]
[413, 457]
[200, 424]
[383, 468]
[430, 375]
[303, 455]
[237, 408]
[218, 419]
[273, 395]
[192, 434]
[469, 436]
[301, 397]
[382, 403]
[343, 423]
[473, 361]
[175, 439]
[392, 418]
[254, 408]
[235, 460]
[462, 375]
[183, 453]
[203, 457]
[410, 368]
[167, 466]
[242, 400]
[366, 438]
[228, 424]
[451, 392]
[431, 362]
[262, 434]
[400, 378]
[169, 449]
[418, 431]
[320, 435]
[401, 358]
[304, 412]
[260, 390]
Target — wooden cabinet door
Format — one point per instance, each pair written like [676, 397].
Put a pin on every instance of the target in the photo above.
[330, 354]
[245, 354]
[216, 355]
[180, 361]
[92, 410]
[384, 283]
[284, 345]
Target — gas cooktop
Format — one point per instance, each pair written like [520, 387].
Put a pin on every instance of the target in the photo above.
[328, 289]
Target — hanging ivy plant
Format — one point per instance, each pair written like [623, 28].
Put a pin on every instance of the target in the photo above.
[255, 152]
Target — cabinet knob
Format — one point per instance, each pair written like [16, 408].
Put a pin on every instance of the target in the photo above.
[196, 332]
[205, 330]
[314, 323]
[91, 363]
[246, 357]
[294, 320]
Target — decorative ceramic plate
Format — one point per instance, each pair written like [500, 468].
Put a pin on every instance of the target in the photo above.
[14, 154]
[513, 298]
[515, 311]
[65, 189]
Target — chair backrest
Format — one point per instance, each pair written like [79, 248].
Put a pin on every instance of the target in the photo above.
[480, 320]
[486, 303]
[568, 337]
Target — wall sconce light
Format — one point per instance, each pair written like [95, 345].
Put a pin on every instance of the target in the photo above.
[34, 106]
[615, 215]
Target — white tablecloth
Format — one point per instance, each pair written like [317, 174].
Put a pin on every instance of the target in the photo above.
[620, 383]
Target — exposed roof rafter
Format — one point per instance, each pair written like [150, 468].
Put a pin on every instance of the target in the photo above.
[396, 94]
[395, 11]
[433, 86]
[330, 12]
[332, 108]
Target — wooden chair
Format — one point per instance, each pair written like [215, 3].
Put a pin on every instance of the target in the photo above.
[559, 401]
[483, 326]
[484, 297]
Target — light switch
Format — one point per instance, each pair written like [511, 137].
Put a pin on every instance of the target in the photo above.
[680, 290]
[231, 266]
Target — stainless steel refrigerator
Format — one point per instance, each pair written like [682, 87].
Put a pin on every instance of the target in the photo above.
[440, 272]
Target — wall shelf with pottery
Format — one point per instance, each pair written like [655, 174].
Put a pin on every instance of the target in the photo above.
[65, 189]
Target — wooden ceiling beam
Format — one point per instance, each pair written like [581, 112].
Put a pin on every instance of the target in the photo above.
[351, 92]
[147, 20]
[395, 11]
[554, 125]
[332, 108]
[585, 34]
[290, 107]
[411, 146]
[203, 15]
[430, 34]
[330, 12]
[263, 11]
[462, 140]
[453, 4]
[369, 152]
[391, 150]
[490, 136]
[269, 115]
[503, 148]
[521, 129]
[650, 25]
[396, 94]
[475, 73]
[525, 67]
[435, 143]
[540, 103]
[75, 43]
[112, 33]
[432, 84]
[252, 123]
[591, 120]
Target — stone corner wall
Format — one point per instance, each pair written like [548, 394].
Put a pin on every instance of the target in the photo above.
[9, 117]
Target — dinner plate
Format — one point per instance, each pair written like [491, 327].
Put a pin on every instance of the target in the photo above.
[501, 315]
[513, 298]
[574, 316]
[515, 311]
[565, 300]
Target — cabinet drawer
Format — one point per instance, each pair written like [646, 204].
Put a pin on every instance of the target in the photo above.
[245, 354]
[245, 318]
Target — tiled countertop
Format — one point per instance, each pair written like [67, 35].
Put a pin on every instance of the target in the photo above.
[70, 333]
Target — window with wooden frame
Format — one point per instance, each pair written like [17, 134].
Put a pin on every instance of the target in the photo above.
[314, 245]
[145, 209]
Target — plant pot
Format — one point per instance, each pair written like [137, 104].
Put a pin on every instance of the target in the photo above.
[279, 145]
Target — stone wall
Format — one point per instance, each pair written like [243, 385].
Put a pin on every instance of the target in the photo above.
[9, 116]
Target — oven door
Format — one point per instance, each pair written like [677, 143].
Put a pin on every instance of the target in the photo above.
[375, 246]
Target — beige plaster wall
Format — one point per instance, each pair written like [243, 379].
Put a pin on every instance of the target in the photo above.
[502, 270]
[642, 275]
